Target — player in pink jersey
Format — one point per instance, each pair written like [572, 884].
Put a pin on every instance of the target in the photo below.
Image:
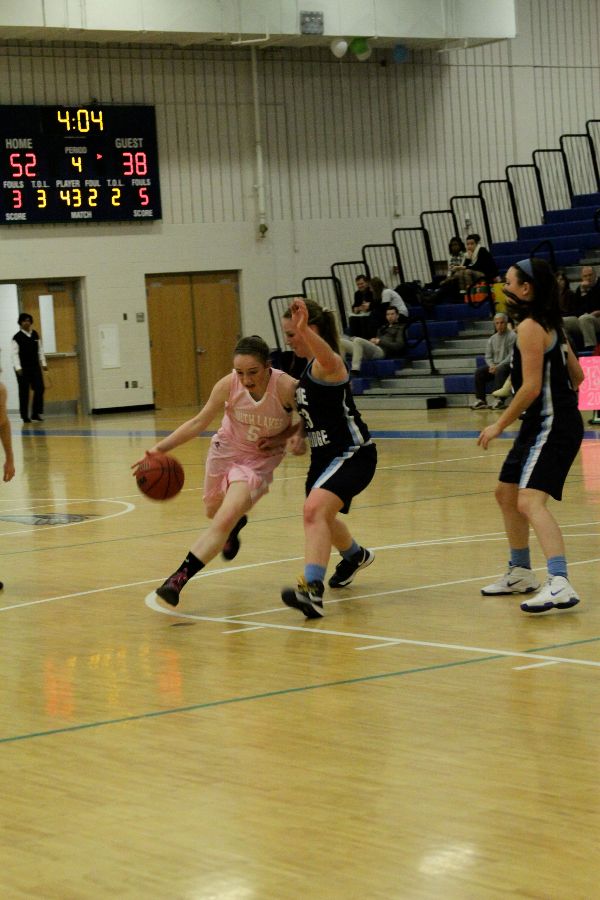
[258, 402]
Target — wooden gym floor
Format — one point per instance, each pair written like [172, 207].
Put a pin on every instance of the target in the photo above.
[421, 741]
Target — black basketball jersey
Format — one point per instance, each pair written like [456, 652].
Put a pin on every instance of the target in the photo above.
[557, 393]
[332, 423]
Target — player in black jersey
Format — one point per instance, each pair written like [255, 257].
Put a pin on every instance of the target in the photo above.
[343, 456]
[545, 375]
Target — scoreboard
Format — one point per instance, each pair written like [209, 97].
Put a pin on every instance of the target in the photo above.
[78, 163]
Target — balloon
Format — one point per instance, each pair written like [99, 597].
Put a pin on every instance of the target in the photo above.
[400, 53]
[359, 45]
[361, 57]
[338, 47]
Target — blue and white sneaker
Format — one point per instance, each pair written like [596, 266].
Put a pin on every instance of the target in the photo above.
[557, 593]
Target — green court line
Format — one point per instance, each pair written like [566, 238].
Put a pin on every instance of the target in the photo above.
[280, 693]
[265, 696]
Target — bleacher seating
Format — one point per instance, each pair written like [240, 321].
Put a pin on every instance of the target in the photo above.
[572, 232]
[444, 343]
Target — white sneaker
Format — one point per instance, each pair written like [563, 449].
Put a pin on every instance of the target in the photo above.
[503, 392]
[517, 580]
[557, 593]
[479, 404]
[498, 404]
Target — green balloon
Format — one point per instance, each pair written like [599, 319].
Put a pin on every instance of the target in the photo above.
[359, 45]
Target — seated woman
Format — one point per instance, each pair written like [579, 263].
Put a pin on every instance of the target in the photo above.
[383, 298]
[388, 343]
[456, 257]
[478, 264]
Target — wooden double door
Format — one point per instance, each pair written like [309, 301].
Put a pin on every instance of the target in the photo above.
[194, 324]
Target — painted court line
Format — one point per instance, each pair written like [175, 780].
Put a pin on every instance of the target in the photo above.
[378, 646]
[534, 666]
[151, 603]
[240, 630]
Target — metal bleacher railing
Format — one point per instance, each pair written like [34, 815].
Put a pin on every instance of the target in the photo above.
[336, 293]
[506, 212]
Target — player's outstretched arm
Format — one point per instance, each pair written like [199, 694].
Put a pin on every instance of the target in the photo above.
[197, 424]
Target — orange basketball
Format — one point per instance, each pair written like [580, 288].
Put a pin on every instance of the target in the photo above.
[160, 476]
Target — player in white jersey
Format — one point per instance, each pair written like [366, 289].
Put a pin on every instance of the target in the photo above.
[258, 402]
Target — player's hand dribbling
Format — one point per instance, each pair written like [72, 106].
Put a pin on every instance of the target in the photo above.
[138, 462]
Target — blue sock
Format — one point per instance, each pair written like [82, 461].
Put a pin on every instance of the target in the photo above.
[352, 549]
[557, 565]
[520, 558]
[313, 572]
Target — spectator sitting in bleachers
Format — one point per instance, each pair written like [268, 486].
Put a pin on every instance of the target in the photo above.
[477, 264]
[567, 298]
[363, 295]
[389, 343]
[583, 326]
[497, 363]
[383, 298]
[456, 256]
[361, 322]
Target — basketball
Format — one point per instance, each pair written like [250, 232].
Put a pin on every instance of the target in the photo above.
[160, 476]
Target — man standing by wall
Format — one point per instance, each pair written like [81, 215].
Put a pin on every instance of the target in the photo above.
[29, 360]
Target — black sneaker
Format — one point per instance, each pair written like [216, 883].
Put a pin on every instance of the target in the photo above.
[308, 598]
[346, 569]
[232, 544]
[169, 591]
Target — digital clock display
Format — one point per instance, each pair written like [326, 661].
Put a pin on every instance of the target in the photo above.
[78, 163]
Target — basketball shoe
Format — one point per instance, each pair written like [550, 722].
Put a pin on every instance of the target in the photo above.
[308, 598]
[557, 593]
[517, 580]
[232, 544]
[346, 569]
[168, 593]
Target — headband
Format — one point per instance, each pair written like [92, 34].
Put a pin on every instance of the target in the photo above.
[526, 266]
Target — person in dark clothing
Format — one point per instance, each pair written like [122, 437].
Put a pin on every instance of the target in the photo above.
[363, 295]
[545, 376]
[583, 325]
[28, 362]
[389, 342]
[361, 321]
[567, 299]
[478, 264]
[343, 455]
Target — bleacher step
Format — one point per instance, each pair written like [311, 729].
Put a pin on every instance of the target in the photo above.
[411, 401]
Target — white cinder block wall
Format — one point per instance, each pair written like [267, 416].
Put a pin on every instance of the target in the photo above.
[351, 150]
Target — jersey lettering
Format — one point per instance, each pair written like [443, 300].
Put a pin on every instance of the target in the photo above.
[318, 439]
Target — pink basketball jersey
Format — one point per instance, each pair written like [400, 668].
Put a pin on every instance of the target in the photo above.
[246, 420]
